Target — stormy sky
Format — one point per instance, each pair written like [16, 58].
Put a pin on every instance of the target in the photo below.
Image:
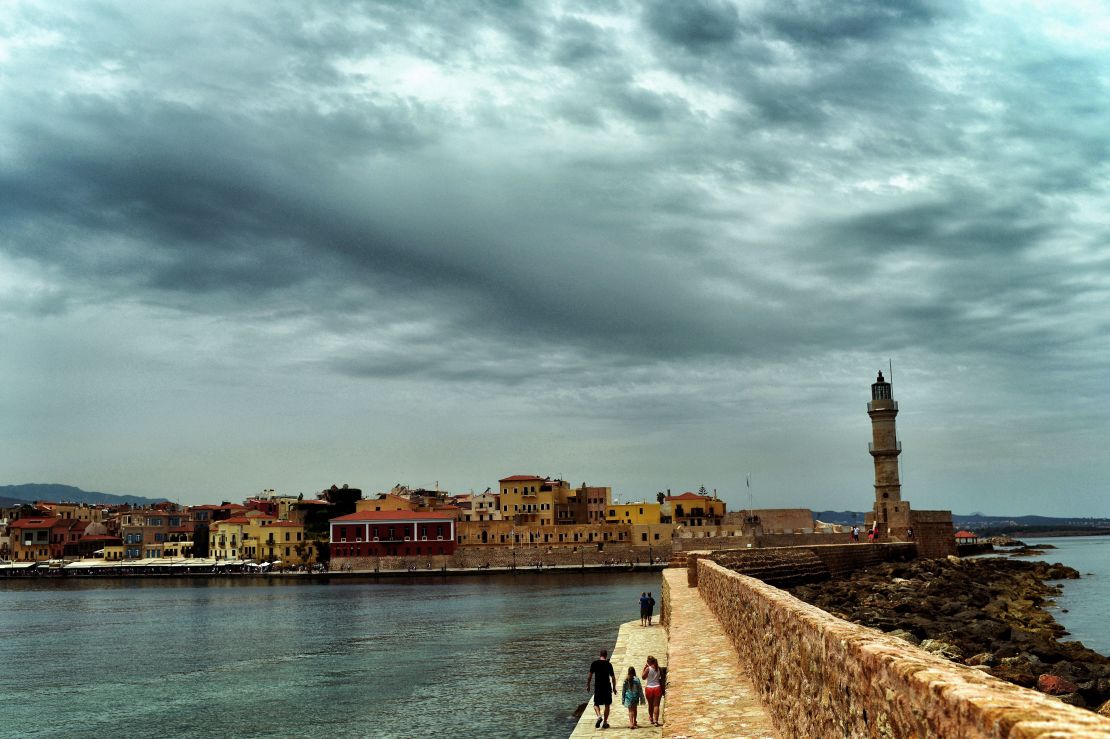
[648, 245]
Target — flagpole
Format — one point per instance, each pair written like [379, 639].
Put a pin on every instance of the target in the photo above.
[751, 506]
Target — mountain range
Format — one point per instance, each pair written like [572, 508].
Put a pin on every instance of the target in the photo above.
[977, 520]
[13, 495]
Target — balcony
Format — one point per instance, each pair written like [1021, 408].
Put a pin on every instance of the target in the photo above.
[882, 405]
[897, 449]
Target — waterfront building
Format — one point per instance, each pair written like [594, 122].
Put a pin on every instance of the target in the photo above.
[78, 511]
[484, 507]
[695, 509]
[386, 502]
[279, 541]
[966, 537]
[226, 537]
[633, 513]
[529, 499]
[597, 500]
[392, 533]
[145, 531]
[30, 539]
[94, 539]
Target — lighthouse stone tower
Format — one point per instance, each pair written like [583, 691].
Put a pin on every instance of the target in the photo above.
[891, 515]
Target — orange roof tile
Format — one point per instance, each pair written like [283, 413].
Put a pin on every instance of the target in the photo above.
[33, 523]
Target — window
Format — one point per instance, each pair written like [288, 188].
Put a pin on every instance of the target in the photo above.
[287, 537]
[643, 536]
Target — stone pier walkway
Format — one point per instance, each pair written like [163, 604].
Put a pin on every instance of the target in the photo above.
[708, 692]
[634, 644]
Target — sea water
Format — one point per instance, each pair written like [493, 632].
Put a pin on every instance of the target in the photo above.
[1085, 602]
[494, 655]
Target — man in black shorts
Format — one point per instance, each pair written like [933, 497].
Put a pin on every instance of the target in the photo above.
[603, 695]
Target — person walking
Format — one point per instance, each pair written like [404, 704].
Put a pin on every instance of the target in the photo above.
[653, 688]
[643, 609]
[650, 608]
[632, 695]
[603, 689]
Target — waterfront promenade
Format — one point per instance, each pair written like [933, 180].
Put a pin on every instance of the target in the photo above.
[708, 693]
[634, 644]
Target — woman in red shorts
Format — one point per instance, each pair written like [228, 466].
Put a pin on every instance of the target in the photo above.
[653, 688]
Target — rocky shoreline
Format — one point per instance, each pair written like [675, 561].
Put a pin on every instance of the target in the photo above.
[989, 613]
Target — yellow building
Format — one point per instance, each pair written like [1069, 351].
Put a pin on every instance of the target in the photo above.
[633, 513]
[695, 509]
[386, 502]
[80, 511]
[528, 499]
[280, 541]
[226, 538]
[113, 552]
[260, 537]
[177, 549]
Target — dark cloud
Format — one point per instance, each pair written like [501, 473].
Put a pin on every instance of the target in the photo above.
[617, 213]
[826, 22]
[694, 24]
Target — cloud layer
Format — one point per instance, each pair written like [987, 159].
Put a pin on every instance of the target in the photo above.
[408, 243]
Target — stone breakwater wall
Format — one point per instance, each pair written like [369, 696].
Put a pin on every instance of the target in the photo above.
[796, 565]
[822, 676]
[479, 556]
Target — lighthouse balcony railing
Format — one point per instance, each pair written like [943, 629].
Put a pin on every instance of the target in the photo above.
[887, 404]
[871, 447]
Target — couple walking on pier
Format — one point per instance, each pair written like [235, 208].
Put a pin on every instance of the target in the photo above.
[647, 608]
[633, 692]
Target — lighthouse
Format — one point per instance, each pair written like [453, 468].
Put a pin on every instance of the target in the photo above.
[891, 514]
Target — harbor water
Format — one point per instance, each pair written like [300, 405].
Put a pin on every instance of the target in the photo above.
[1085, 602]
[496, 655]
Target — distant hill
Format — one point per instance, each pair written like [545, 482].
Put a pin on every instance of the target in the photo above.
[12, 495]
[978, 520]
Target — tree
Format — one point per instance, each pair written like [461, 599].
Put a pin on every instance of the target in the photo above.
[323, 551]
[660, 497]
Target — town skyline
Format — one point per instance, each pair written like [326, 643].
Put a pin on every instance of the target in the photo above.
[646, 246]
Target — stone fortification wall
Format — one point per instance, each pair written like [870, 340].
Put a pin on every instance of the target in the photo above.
[858, 682]
[934, 533]
[841, 559]
[735, 540]
[795, 565]
[772, 519]
[474, 557]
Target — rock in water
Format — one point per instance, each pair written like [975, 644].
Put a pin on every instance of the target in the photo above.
[1055, 685]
